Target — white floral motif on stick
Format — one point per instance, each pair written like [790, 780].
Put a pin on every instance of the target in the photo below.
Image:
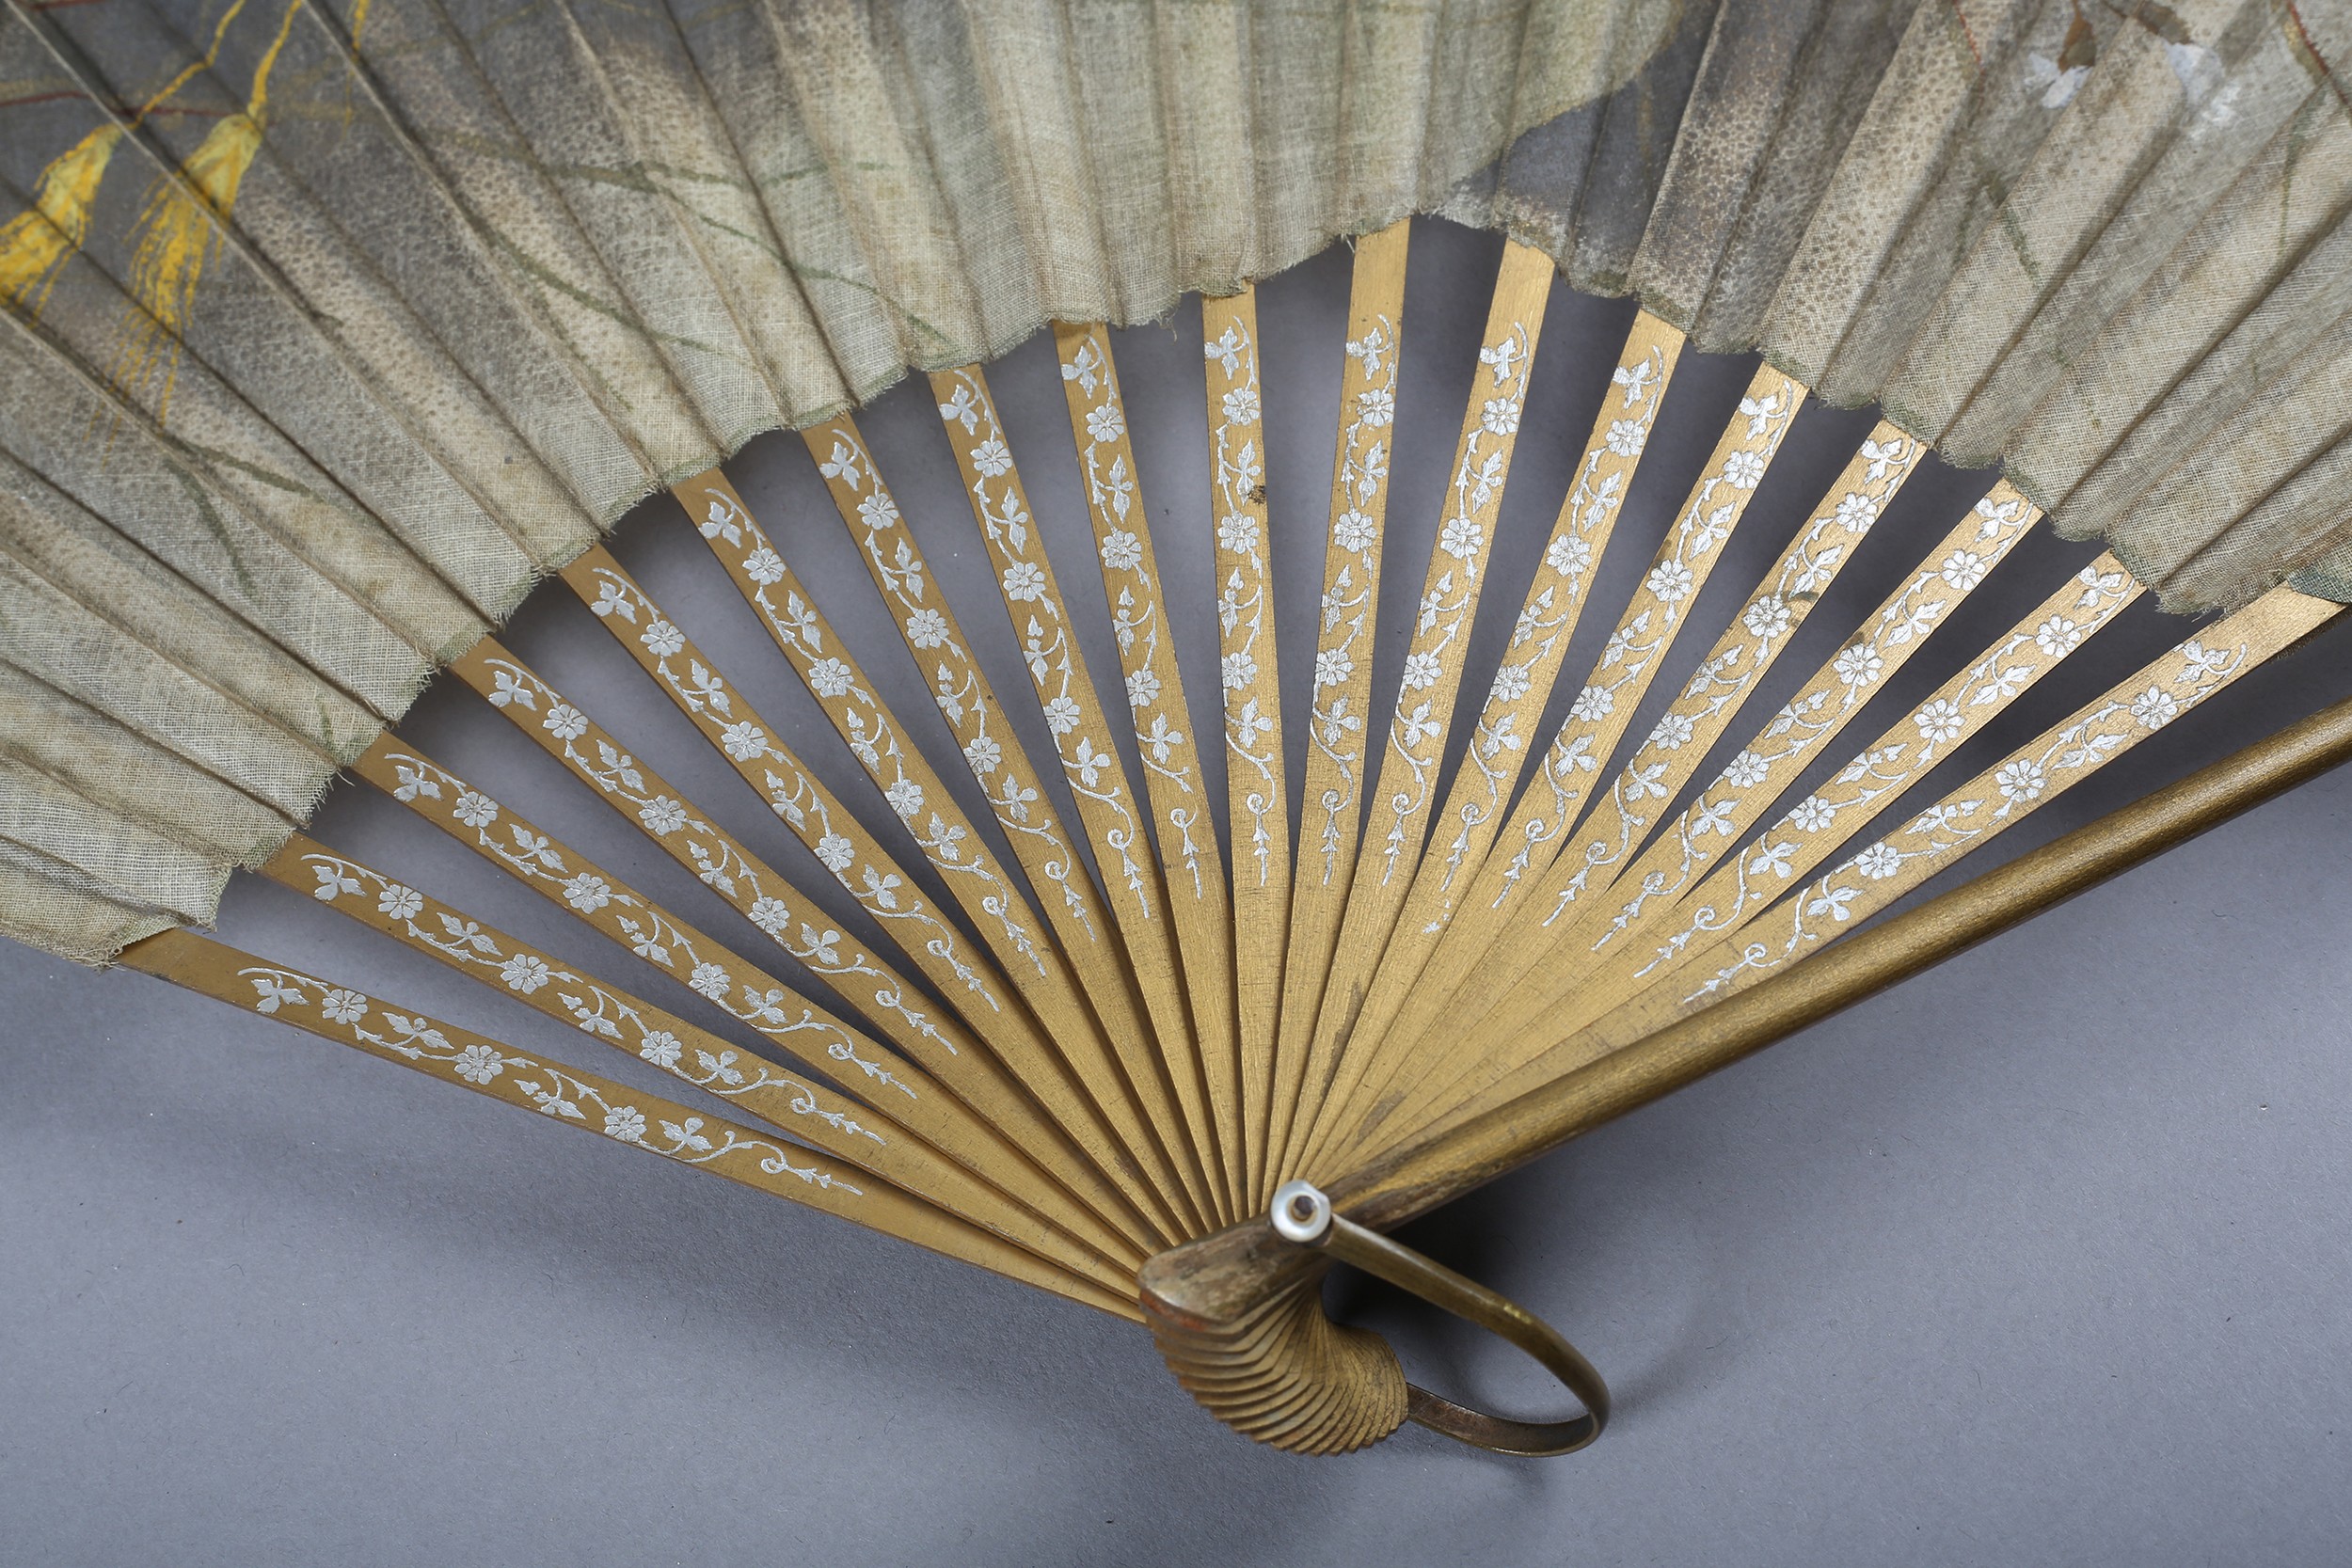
[1253, 735]
[1351, 585]
[1049, 651]
[714, 858]
[647, 930]
[584, 1002]
[557, 1092]
[1450, 596]
[794, 794]
[1129, 580]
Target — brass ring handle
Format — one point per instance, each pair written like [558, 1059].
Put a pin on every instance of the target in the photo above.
[1302, 1214]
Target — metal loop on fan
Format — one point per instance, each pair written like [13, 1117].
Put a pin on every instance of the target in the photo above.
[1301, 1213]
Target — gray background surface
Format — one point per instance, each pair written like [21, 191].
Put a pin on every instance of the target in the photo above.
[2041, 1257]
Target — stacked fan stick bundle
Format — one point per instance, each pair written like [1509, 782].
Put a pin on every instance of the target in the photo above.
[1112, 1015]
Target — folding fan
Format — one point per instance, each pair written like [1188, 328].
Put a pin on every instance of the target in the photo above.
[333, 326]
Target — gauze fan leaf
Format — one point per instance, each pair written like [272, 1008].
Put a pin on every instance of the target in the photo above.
[1097, 924]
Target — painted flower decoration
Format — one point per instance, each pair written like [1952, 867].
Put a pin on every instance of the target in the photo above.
[1352, 531]
[1939, 722]
[2058, 636]
[1811, 814]
[1768, 617]
[927, 629]
[830, 677]
[1121, 550]
[1745, 772]
[1669, 582]
[1568, 555]
[478, 1064]
[344, 1007]
[1963, 569]
[743, 740]
[1878, 862]
[2155, 708]
[1024, 582]
[1858, 665]
[2020, 781]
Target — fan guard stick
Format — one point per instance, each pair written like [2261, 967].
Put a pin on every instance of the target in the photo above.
[1246, 1300]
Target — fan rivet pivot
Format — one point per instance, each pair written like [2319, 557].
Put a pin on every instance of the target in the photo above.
[1301, 1213]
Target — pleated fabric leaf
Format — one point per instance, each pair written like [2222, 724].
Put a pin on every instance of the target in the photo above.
[333, 326]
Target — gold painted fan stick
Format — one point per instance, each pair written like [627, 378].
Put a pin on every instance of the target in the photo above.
[590, 1102]
[806, 1111]
[1257, 789]
[1398, 819]
[1339, 760]
[1045, 1171]
[1033, 1018]
[1105, 1021]
[1194, 879]
[770, 902]
[1111, 813]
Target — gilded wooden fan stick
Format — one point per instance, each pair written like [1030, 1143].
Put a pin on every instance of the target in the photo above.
[980, 1133]
[1397, 810]
[566, 1095]
[1194, 887]
[1257, 798]
[1339, 717]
